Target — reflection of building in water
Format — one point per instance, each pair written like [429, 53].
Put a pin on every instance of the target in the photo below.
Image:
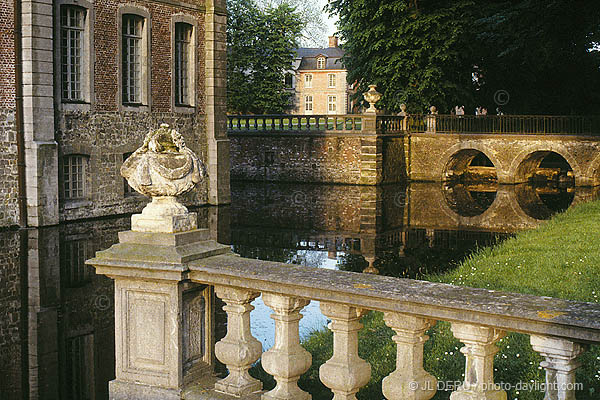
[370, 221]
[57, 315]
[57, 337]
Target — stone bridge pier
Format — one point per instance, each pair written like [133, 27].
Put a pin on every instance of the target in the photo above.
[511, 158]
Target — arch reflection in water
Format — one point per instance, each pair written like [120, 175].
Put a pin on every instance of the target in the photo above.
[470, 200]
[541, 201]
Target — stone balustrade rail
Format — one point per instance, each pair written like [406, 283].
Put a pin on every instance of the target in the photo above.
[418, 123]
[295, 123]
[560, 330]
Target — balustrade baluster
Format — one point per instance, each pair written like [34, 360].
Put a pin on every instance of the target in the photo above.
[272, 123]
[239, 123]
[409, 381]
[238, 350]
[479, 351]
[560, 364]
[345, 372]
[308, 123]
[281, 123]
[255, 123]
[287, 359]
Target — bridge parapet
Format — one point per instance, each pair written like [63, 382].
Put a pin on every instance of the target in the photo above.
[417, 123]
[163, 324]
[490, 124]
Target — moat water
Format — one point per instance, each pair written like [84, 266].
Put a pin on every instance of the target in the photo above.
[57, 316]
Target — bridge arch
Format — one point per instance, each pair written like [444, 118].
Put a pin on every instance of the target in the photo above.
[459, 156]
[593, 172]
[530, 159]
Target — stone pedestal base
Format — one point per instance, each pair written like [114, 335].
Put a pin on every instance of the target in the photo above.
[163, 323]
[168, 224]
[120, 390]
[164, 214]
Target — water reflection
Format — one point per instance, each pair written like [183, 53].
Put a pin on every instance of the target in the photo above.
[470, 200]
[56, 315]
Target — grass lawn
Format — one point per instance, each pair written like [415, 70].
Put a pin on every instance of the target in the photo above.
[561, 258]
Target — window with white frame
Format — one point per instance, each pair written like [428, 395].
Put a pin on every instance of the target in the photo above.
[308, 80]
[321, 63]
[132, 37]
[332, 103]
[74, 177]
[331, 80]
[72, 32]
[308, 103]
[183, 63]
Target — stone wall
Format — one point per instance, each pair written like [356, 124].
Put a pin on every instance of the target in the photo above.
[10, 316]
[105, 131]
[318, 158]
[106, 37]
[105, 137]
[9, 206]
[7, 55]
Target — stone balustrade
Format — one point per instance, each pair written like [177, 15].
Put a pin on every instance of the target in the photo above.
[151, 299]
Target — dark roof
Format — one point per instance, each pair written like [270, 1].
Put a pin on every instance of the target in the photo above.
[309, 56]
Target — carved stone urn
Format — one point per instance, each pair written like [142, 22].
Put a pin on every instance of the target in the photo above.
[163, 168]
[372, 96]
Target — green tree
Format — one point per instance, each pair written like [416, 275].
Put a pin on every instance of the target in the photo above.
[541, 53]
[260, 51]
[416, 52]
[526, 56]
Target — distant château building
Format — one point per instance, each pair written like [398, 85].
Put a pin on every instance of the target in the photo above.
[94, 77]
[318, 80]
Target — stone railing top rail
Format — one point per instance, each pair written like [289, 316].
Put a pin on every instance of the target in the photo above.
[529, 314]
[297, 123]
[418, 123]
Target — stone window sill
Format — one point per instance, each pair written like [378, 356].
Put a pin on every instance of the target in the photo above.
[72, 204]
[183, 109]
[135, 107]
[74, 106]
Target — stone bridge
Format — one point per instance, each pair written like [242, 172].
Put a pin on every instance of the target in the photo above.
[513, 158]
[370, 150]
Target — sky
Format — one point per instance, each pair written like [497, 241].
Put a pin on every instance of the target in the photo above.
[329, 21]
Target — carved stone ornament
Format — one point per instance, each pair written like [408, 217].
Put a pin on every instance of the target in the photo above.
[372, 96]
[163, 168]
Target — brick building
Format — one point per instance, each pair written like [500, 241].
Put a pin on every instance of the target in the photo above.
[94, 76]
[319, 81]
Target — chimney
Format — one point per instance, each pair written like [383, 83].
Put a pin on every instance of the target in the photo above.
[333, 41]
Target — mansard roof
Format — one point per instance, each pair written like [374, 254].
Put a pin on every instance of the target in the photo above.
[308, 58]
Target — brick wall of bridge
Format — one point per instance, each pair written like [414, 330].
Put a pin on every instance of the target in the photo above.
[318, 158]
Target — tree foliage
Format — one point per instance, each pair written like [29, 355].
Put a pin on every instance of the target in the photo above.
[541, 52]
[527, 56]
[260, 47]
